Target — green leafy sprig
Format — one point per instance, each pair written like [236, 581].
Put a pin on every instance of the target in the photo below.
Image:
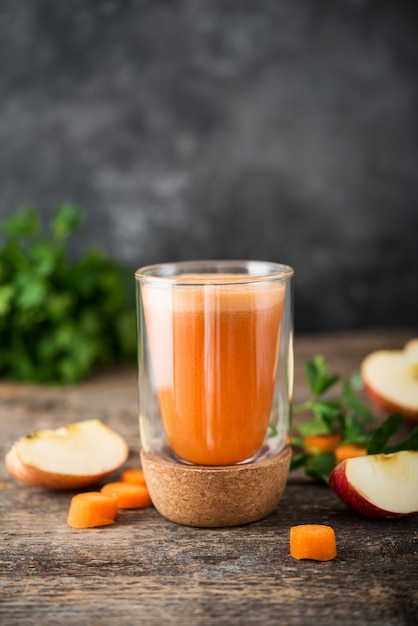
[59, 319]
[342, 413]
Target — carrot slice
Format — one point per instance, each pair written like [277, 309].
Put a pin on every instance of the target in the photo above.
[92, 508]
[130, 496]
[349, 451]
[313, 541]
[134, 475]
[315, 444]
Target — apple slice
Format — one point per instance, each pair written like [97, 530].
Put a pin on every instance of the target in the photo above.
[379, 485]
[70, 457]
[390, 379]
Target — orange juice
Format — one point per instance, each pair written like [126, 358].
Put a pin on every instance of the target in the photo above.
[214, 350]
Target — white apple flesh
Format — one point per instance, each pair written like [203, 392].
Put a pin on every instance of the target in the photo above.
[379, 485]
[390, 379]
[70, 457]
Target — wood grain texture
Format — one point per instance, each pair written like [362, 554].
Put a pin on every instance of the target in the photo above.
[147, 570]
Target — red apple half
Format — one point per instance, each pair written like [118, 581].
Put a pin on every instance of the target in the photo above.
[390, 379]
[70, 457]
[379, 485]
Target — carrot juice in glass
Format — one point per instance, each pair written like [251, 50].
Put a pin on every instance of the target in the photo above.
[214, 359]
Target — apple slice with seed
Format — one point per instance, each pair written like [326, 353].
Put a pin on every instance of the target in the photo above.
[70, 457]
[379, 485]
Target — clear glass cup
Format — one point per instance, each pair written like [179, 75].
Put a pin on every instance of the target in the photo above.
[215, 360]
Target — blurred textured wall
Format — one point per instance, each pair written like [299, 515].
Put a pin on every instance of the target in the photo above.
[277, 129]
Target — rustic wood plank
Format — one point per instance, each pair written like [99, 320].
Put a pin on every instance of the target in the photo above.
[147, 570]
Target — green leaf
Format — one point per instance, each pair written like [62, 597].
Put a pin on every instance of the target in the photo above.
[21, 225]
[7, 293]
[32, 292]
[351, 399]
[320, 466]
[327, 418]
[318, 377]
[318, 425]
[296, 442]
[354, 430]
[329, 410]
[409, 443]
[311, 375]
[69, 371]
[383, 433]
[272, 431]
[45, 258]
[65, 221]
[298, 460]
[59, 305]
[127, 335]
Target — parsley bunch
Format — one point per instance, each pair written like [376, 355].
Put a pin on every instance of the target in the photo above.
[59, 319]
[344, 414]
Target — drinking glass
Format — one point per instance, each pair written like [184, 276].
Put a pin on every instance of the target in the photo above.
[215, 360]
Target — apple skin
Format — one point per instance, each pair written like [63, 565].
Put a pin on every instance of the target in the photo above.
[70, 457]
[390, 380]
[386, 405]
[36, 477]
[347, 493]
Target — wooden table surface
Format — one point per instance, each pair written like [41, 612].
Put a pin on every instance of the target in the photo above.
[147, 570]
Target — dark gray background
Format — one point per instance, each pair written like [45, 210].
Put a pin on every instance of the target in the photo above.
[284, 130]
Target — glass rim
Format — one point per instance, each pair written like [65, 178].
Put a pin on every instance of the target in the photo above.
[249, 271]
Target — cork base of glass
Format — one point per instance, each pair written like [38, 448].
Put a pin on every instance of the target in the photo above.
[219, 496]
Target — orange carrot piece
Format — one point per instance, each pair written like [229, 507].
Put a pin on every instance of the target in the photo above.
[313, 541]
[348, 451]
[92, 508]
[316, 444]
[134, 475]
[130, 496]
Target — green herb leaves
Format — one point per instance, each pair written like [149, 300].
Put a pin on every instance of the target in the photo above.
[59, 319]
[318, 376]
[343, 414]
[379, 438]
